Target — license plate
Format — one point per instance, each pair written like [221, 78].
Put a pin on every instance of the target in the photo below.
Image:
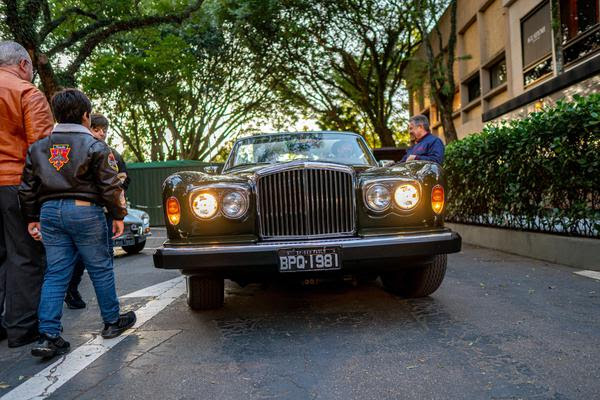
[312, 259]
[124, 242]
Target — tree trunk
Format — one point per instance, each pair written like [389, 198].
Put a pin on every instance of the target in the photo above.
[448, 124]
[48, 79]
[557, 35]
[386, 136]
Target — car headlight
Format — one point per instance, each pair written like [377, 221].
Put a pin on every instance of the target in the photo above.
[234, 205]
[205, 205]
[406, 196]
[145, 219]
[378, 198]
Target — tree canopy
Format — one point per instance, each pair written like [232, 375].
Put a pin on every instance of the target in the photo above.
[178, 79]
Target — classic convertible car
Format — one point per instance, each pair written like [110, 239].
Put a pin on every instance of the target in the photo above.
[306, 205]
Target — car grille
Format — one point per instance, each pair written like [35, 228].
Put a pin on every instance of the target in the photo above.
[305, 203]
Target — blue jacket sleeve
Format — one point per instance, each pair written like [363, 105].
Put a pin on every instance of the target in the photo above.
[435, 153]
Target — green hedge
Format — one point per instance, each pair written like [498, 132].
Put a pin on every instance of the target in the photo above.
[539, 173]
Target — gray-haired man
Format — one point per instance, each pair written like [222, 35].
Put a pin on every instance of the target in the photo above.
[25, 117]
[427, 147]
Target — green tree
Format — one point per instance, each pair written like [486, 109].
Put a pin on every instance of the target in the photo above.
[61, 35]
[180, 93]
[335, 55]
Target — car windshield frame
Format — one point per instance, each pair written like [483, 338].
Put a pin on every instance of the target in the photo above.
[369, 158]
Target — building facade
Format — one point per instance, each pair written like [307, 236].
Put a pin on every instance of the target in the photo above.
[507, 59]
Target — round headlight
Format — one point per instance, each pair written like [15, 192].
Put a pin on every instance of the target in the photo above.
[406, 196]
[378, 198]
[145, 219]
[234, 205]
[205, 205]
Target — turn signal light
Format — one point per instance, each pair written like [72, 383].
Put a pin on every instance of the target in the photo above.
[437, 199]
[173, 210]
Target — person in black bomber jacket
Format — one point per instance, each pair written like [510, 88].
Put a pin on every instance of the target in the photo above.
[99, 129]
[67, 180]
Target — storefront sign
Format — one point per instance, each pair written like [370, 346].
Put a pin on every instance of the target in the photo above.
[536, 35]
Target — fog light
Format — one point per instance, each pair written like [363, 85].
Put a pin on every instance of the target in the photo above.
[437, 199]
[173, 210]
[205, 205]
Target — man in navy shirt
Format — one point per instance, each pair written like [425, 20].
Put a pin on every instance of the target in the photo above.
[427, 147]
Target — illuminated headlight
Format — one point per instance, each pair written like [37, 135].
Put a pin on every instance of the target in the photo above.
[378, 198]
[406, 196]
[205, 205]
[145, 219]
[234, 205]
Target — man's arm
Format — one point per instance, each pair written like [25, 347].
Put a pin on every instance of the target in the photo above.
[108, 182]
[36, 115]
[28, 200]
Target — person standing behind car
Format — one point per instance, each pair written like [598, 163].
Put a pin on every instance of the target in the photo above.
[67, 180]
[25, 117]
[427, 147]
[99, 129]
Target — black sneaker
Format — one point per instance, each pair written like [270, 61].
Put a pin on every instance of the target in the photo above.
[124, 322]
[3, 334]
[74, 300]
[48, 346]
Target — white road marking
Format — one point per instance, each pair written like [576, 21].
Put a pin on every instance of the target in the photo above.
[155, 290]
[589, 274]
[46, 382]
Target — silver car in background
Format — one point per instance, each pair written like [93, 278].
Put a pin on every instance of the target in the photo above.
[137, 229]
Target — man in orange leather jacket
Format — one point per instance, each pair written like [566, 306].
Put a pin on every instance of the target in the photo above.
[25, 117]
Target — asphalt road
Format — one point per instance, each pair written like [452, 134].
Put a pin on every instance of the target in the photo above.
[500, 327]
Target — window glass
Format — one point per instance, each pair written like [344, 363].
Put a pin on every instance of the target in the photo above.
[538, 71]
[578, 16]
[473, 88]
[498, 73]
[308, 146]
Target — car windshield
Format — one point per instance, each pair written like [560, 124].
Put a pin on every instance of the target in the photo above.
[339, 148]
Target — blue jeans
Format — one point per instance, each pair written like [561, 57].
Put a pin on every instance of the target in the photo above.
[69, 230]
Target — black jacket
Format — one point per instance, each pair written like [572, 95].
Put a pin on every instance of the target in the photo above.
[70, 163]
[122, 172]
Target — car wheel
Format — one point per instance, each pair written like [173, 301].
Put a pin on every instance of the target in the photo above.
[135, 248]
[417, 282]
[205, 293]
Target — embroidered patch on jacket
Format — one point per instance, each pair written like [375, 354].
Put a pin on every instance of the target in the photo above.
[112, 161]
[59, 155]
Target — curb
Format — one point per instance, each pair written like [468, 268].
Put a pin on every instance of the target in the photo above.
[572, 251]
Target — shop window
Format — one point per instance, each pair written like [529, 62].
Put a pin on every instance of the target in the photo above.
[497, 73]
[538, 71]
[473, 88]
[580, 20]
[578, 16]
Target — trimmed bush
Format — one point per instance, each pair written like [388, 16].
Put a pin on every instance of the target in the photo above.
[540, 173]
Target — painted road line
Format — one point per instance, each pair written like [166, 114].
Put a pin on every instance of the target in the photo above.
[46, 382]
[155, 290]
[589, 274]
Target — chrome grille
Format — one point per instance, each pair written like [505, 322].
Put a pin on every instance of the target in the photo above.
[307, 202]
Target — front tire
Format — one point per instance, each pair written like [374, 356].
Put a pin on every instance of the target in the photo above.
[205, 293]
[135, 248]
[417, 282]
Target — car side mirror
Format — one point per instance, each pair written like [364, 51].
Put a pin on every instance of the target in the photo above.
[386, 163]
